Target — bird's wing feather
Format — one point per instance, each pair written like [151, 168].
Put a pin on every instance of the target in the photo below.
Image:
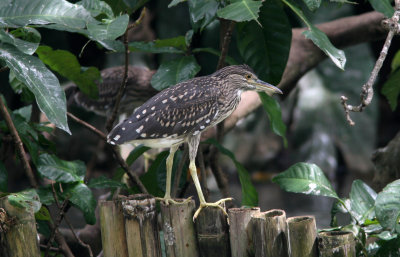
[188, 107]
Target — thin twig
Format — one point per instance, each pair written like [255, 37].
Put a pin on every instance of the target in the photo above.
[88, 126]
[114, 149]
[122, 88]
[367, 92]
[225, 44]
[139, 20]
[18, 144]
[66, 219]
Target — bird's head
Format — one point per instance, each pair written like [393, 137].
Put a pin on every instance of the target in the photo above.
[244, 78]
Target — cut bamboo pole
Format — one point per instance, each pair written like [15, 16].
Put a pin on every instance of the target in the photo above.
[113, 229]
[18, 234]
[270, 234]
[336, 244]
[140, 217]
[179, 233]
[240, 231]
[213, 233]
[302, 236]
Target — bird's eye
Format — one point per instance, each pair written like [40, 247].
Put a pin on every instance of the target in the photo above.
[248, 76]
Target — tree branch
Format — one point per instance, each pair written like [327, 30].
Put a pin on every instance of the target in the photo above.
[18, 143]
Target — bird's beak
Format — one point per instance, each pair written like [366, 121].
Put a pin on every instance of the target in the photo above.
[266, 87]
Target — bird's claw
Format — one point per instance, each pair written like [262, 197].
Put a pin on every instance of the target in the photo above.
[216, 204]
[169, 200]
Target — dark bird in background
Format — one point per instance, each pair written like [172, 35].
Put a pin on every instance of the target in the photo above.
[180, 113]
[138, 90]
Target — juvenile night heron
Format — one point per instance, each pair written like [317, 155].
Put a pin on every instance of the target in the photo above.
[180, 113]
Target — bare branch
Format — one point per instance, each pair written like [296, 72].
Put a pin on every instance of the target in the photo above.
[88, 126]
[367, 92]
[18, 144]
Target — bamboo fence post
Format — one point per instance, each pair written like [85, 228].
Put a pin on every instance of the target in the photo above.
[18, 234]
[270, 234]
[302, 236]
[179, 233]
[212, 233]
[336, 244]
[113, 229]
[140, 217]
[240, 231]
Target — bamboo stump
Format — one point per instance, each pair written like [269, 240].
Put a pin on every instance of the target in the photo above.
[213, 233]
[240, 231]
[18, 234]
[270, 234]
[336, 244]
[302, 236]
[113, 229]
[179, 233]
[140, 217]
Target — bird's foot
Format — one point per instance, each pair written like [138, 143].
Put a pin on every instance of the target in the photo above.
[216, 204]
[167, 200]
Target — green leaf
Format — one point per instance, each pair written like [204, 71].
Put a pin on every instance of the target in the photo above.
[387, 206]
[391, 89]
[151, 179]
[175, 2]
[45, 194]
[20, 88]
[305, 178]
[24, 39]
[97, 7]
[172, 72]
[51, 167]
[26, 199]
[362, 199]
[104, 182]
[135, 153]
[82, 198]
[396, 62]
[312, 5]
[3, 178]
[43, 214]
[386, 235]
[241, 10]
[273, 109]
[319, 38]
[266, 49]
[150, 47]
[202, 12]
[383, 6]
[249, 193]
[109, 30]
[43, 84]
[25, 112]
[66, 64]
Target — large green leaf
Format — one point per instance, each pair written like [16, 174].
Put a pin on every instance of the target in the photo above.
[82, 198]
[202, 12]
[273, 109]
[51, 167]
[104, 182]
[312, 5]
[387, 206]
[25, 199]
[362, 199]
[3, 178]
[305, 178]
[266, 49]
[172, 72]
[25, 39]
[249, 193]
[61, 15]
[169, 45]
[68, 66]
[135, 153]
[97, 7]
[41, 82]
[319, 38]
[241, 10]
[391, 89]
[383, 6]
[151, 179]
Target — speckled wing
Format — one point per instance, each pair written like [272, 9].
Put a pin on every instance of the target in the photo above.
[187, 108]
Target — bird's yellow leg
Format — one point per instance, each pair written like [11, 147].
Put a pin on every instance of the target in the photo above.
[203, 203]
[167, 197]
